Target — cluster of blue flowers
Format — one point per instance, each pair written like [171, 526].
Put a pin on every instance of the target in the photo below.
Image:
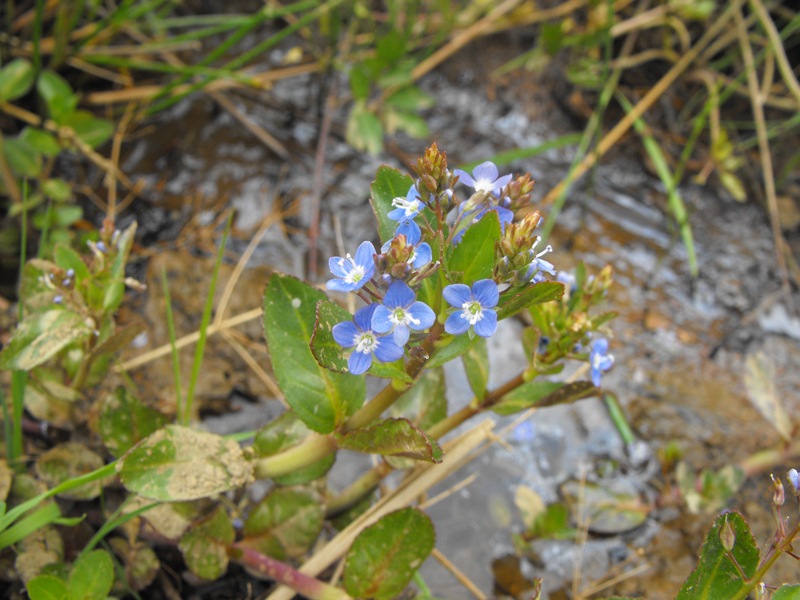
[383, 327]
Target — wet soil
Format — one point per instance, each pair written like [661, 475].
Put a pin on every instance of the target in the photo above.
[680, 343]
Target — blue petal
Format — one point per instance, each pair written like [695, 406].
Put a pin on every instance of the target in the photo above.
[359, 362]
[409, 229]
[345, 334]
[486, 293]
[386, 246]
[363, 317]
[487, 325]
[364, 256]
[503, 181]
[455, 324]
[464, 177]
[412, 235]
[604, 363]
[422, 313]
[398, 214]
[486, 170]
[399, 295]
[505, 215]
[387, 350]
[422, 255]
[457, 294]
[600, 346]
[339, 266]
[401, 335]
[340, 285]
[380, 320]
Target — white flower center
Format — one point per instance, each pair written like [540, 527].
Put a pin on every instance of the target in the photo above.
[484, 185]
[355, 272]
[410, 208]
[399, 316]
[472, 311]
[366, 342]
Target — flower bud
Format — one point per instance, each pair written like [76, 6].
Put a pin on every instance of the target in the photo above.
[794, 479]
[778, 495]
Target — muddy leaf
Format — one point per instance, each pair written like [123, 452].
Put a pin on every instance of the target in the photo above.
[473, 258]
[44, 406]
[141, 563]
[385, 556]
[545, 291]
[41, 548]
[91, 577]
[170, 520]
[716, 576]
[759, 379]
[393, 437]
[606, 510]
[476, 364]
[321, 398]
[282, 433]
[67, 461]
[389, 184]
[205, 546]
[47, 587]
[41, 336]
[178, 463]
[125, 421]
[119, 340]
[285, 523]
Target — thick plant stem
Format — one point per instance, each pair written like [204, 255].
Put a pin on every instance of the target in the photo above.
[357, 490]
[308, 587]
[313, 448]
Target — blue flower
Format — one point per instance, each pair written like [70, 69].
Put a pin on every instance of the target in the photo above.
[422, 253]
[401, 312]
[407, 208]
[538, 264]
[486, 178]
[504, 215]
[599, 359]
[794, 479]
[410, 229]
[358, 334]
[476, 307]
[352, 273]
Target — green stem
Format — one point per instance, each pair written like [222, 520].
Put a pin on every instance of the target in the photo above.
[758, 576]
[307, 586]
[313, 448]
[357, 490]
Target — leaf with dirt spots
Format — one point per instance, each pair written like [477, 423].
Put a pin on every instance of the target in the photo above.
[125, 421]
[285, 523]
[205, 546]
[178, 463]
[66, 461]
[393, 437]
[41, 336]
[385, 556]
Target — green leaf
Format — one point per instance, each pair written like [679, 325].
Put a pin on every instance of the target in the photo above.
[449, 347]
[59, 217]
[205, 546]
[115, 289]
[389, 184]
[413, 125]
[364, 130]
[390, 47]
[125, 421]
[425, 403]
[285, 523]
[91, 130]
[321, 398]
[47, 587]
[716, 576]
[385, 556]
[606, 510]
[16, 78]
[409, 98]
[541, 394]
[282, 433]
[23, 158]
[178, 463]
[57, 190]
[476, 364]
[41, 336]
[40, 140]
[91, 577]
[392, 437]
[57, 95]
[473, 258]
[787, 592]
[538, 293]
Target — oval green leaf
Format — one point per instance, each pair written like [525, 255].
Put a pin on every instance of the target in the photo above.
[16, 78]
[473, 258]
[205, 546]
[41, 336]
[285, 523]
[321, 398]
[716, 576]
[393, 437]
[178, 463]
[47, 587]
[91, 577]
[385, 556]
[125, 421]
[389, 184]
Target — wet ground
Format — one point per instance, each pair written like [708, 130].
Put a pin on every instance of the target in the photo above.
[680, 344]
